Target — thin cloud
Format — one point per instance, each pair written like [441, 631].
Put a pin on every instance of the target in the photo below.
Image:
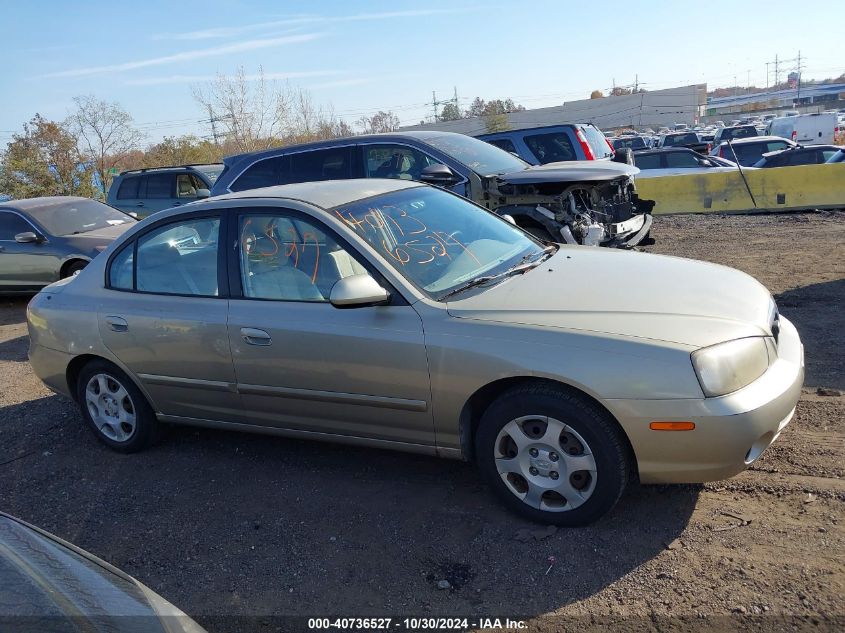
[185, 56]
[340, 83]
[188, 79]
[233, 31]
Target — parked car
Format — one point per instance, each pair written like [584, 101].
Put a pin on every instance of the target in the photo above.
[634, 143]
[688, 140]
[799, 155]
[748, 151]
[43, 240]
[807, 129]
[579, 202]
[734, 132]
[48, 584]
[674, 161]
[393, 314]
[541, 145]
[146, 191]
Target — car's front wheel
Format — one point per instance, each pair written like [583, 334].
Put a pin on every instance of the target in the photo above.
[114, 408]
[552, 455]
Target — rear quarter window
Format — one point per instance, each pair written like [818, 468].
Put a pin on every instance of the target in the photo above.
[264, 173]
[649, 161]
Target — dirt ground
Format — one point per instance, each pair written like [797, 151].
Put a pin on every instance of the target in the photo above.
[226, 524]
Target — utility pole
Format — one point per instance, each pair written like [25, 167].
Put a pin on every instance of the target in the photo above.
[799, 68]
[435, 102]
[212, 120]
[767, 76]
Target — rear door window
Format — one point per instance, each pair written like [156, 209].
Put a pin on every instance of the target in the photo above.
[323, 164]
[647, 161]
[159, 186]
[552, 147]
[503, 143]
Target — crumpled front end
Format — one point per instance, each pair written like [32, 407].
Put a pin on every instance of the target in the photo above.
[588, 212]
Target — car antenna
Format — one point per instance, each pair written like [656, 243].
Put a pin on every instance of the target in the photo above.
[741, 173]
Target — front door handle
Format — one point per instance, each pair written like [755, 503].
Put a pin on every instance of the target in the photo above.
[116, 323]
[255, 336]
[140, 204]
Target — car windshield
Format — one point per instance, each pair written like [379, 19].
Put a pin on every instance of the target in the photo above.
[479, 156]
[212, 172]
[437, 240]
[79, 216]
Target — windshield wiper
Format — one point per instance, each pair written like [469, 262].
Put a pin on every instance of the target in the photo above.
[525, 264]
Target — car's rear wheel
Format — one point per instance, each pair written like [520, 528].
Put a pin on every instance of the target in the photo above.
[74, 268]
[551, 455]
[114, 408]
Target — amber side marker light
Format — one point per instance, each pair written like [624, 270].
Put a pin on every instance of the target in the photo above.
[672, 426]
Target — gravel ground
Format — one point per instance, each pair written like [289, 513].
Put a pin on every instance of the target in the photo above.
[226, 524]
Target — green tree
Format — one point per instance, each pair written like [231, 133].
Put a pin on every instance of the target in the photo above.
[182, 150]
[44, 161]
[450, 112]
[497, 122]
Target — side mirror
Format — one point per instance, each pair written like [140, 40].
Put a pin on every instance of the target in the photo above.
[27, 238]
[357, 291]
[203, 193]
[438, 174]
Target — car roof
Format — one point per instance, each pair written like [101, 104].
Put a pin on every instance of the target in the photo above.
[325, 194]
[756, 139]
[36, 204]
[191, 166]
[387, 137]
[666, 150]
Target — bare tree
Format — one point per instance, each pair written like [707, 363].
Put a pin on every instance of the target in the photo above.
[252, 112]
[105, 132]
[380, 122]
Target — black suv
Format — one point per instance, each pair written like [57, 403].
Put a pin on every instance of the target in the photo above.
[580, 202]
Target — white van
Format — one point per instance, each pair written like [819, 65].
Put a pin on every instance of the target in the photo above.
[807, 129]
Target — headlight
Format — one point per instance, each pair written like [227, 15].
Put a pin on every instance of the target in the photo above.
[732, 365]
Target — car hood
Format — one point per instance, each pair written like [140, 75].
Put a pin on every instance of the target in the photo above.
[47, 579]
[100, 237]
[680, 301]
[570, 171]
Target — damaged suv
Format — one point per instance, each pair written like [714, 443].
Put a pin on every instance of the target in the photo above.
[593, 203]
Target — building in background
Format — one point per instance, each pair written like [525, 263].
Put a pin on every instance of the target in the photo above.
[640, 110]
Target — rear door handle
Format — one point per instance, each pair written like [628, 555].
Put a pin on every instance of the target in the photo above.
[2, 248]
[116, 323]
[255, 336]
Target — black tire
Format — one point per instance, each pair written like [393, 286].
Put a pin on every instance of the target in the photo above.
[624, 155]
[603, 437]
[74, 268]
[145, 426]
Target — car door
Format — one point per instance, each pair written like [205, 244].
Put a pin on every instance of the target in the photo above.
[128, 198]
[158, 192]
[23, 266]
[164, 317]
[305, 365]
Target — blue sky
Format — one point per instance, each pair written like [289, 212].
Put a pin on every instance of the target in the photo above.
[365, 56]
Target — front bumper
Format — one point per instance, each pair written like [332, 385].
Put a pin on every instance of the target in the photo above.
[631, 232]
[731, 431]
